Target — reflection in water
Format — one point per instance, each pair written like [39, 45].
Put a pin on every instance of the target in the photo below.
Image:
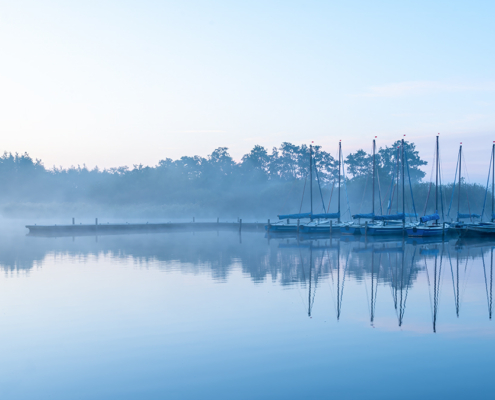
[306, 261]
[489, 284]
[395, 264]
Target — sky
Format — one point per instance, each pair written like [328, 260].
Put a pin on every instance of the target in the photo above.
[113, 83]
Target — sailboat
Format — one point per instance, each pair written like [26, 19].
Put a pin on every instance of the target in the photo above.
[459, 226]
[324, 223]
[391, 224]
[484, 229]
[435, 229]
[358, 229]
[285, 224]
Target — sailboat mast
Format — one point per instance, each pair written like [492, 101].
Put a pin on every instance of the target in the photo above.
[459, 194]
[373, 194]
[397, 185]
[340, 157]
[436, 183]
[403, 183]
[311, 178]
[493, 179]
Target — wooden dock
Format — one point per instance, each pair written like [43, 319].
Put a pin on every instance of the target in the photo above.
[112, 229]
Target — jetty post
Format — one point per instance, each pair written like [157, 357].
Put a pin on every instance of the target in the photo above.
[366, 228]
[240, 224]
[73, 221]
[96, 221]
[268, 225]
[331, 227]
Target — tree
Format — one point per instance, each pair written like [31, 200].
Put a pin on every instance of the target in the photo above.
[359, 164]
[257, 159]
[388, 160]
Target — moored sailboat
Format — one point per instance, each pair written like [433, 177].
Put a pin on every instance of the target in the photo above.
[285, 224]
[484, 229]
[434, 229]
[358, 228]
[324, 221]
[395, 225]
[458, 227]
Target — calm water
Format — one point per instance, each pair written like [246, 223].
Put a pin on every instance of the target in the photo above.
[219, 316]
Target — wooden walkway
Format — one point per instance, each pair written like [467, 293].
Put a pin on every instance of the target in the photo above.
[109, 229]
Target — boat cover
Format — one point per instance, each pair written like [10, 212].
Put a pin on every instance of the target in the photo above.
[384, 217]
[460, 215]
[295, 216]
[356, 216]
[327, 215]
[430, 217]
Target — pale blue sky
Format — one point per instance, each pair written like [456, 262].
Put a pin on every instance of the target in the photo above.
[113, 83]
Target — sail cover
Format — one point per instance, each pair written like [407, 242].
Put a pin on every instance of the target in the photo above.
[370, 215]
[460, 215]
[327, 215]
[295, 216]
[430, 217]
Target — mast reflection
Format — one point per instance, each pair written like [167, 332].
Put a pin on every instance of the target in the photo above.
[311, 261]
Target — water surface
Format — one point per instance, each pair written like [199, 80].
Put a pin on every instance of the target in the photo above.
[222, 316]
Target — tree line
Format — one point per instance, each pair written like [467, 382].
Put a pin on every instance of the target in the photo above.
[261, 184]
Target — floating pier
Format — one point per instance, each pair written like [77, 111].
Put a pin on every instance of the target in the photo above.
[112, 229]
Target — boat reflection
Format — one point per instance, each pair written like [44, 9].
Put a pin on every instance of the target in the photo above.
[366, 266]
[396, 264]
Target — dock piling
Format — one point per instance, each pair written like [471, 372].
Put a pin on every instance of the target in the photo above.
[73, 221]
[366, 228]
[240, 224]
[331, 227]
